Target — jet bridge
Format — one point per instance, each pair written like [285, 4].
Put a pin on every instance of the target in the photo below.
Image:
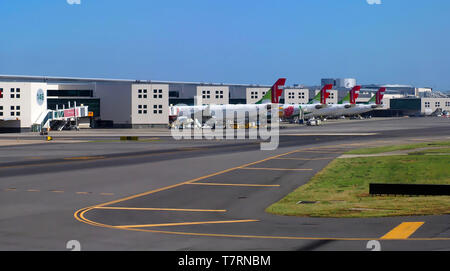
[60, 118]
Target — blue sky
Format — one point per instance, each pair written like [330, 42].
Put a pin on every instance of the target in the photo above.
[398, 41]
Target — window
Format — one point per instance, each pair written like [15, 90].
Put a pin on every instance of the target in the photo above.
[140, 91]
[174, 94]
[145, 91]
[145, 96]
[160, 96]
[155, 91]
[437, 104]
[447, 104]
[155, 96]
[1, 93]
[140, 96]
[221, 96]
[160, 91]
[427, 104]
[17, 107]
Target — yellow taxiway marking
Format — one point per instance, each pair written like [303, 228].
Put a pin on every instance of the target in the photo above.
[188, 223]
[83, 193]
[403, 231]
[33, 190]
[56, 191]
[304, 159]
[321, 151]
[270, 168]
[84, 158]
[159, 209]
[238, 184]
[80, 214]
[107, 194]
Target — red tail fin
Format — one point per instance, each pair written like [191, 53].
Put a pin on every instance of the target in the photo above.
[354, 93]
[277, 90]
[324, 94]
[379, 95]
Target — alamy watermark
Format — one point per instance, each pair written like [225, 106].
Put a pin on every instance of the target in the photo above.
[218, 122]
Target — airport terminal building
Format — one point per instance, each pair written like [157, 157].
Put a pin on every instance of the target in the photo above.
[113, 103]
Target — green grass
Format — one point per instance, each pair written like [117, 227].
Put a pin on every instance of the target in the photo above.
[342, 188]
[432, 151]
[398, 148]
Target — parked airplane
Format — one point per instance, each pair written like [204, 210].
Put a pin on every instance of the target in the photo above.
[339, 109]
[199, 114]
[373, 103]
[318, 102]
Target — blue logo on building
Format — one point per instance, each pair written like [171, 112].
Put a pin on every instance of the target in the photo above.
[40, 96]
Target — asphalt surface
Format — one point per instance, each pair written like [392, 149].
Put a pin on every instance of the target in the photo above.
[166, 194]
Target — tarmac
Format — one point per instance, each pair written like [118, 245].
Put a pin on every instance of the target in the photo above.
[165, 194]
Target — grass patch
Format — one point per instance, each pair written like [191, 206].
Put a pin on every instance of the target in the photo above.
[342, 188]
[432, 151]
[391, 148]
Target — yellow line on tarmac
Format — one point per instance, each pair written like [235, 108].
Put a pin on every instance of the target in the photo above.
[84, 158]
[181, 184]
[238, 184]
[268, 168]
[187, 223]
[304, 159]
[321, 151]
[159, 209]
[403, 231]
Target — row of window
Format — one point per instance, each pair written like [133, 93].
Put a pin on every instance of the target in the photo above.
[254, 94]
[436, 104]
[209, 92]
[15, 110]
[157, 94]
[157, 109]
[209, 96]
[15, 93]
[291, 95]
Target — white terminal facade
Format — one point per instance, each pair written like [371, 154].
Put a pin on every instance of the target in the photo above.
[141, 104]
